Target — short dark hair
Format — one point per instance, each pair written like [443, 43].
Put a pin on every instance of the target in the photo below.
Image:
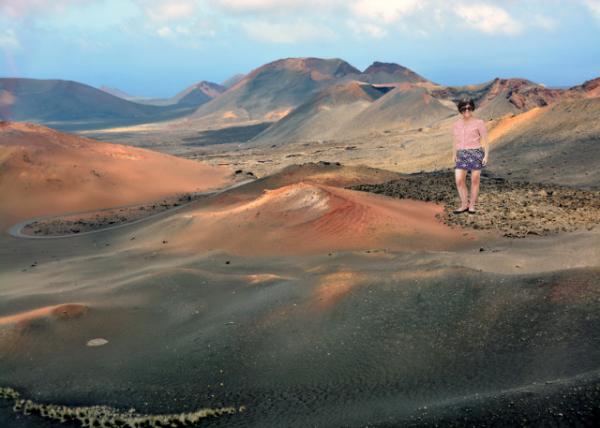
[465, 102]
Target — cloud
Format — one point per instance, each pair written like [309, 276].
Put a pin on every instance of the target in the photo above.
[594, 7]
[198, 28]
[286, 32]
[19, 9]
[439, 18]
[488, 18]
[367, 29]
[9, 40]
[385, 11]
[164, 32]
[180, 21]
[168, 10]
[272, 6]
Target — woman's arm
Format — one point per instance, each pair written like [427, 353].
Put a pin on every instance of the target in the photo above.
[454, 143]
[484, 139]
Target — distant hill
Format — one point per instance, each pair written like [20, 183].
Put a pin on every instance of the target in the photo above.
[116, 92]
[193, 96]
[69, 105]
[325, 115]
[45, 171]
[273, 90]
[499, 97]
[588, 89]
[559, 143]
[386, 72]
[354, 109]
[232, 80]
[407, 106]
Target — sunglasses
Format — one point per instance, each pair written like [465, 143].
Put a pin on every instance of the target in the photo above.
[465, 109]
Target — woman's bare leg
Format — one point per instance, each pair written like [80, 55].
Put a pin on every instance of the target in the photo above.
[475, 175]
[461, 184]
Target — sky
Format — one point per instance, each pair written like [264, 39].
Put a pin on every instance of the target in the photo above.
[156, 48]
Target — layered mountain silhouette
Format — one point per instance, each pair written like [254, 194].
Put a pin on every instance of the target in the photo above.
[499, 97]
[326, 114]
[273, 90]
[358, 108]
[193, 96]
[387, 72]
[295, 98]
[228, 83]
[69, 105]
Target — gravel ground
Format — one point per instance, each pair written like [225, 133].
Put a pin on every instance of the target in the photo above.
[514, 208]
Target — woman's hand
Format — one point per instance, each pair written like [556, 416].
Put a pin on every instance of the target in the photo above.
[454, 157]
[485, 160]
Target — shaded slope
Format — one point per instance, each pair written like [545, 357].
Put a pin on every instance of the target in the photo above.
[324, 116]
[560, 144]
[407, 106]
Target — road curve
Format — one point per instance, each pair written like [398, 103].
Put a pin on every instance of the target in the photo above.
[17, 229]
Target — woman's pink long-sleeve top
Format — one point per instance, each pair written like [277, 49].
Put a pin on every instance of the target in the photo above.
[468, 134]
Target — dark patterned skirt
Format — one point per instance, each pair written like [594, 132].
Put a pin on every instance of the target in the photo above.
[470, 158]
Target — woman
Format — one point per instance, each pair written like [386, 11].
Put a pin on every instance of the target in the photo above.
[470, 154]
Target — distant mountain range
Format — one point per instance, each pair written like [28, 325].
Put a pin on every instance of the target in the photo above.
[301, 98]
[69, 105]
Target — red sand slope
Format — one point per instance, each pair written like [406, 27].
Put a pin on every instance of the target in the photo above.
[59, 312]
[305, 217]
[43, 171]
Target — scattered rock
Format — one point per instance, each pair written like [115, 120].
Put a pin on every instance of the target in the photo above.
[97, 342]
[514, 208]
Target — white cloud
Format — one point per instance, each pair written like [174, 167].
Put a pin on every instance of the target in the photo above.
[286, 33]
[168, 10]
[9, 40]
[594, 7]
[439, 18]
[488, 18]
[366, 29]
[164, 31]
[197, 28]
[273, 6]
[385, 11]
[18, 9]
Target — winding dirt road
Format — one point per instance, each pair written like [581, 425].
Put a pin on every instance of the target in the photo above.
[17, 229]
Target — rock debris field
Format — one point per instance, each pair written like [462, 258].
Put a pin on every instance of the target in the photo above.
[514, 208]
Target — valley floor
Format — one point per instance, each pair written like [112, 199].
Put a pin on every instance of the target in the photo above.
[479, 328]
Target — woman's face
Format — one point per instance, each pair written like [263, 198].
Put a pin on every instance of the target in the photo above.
[466, 111]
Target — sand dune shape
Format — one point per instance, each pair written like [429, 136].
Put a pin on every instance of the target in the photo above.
[45, 172]
[302, 218]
